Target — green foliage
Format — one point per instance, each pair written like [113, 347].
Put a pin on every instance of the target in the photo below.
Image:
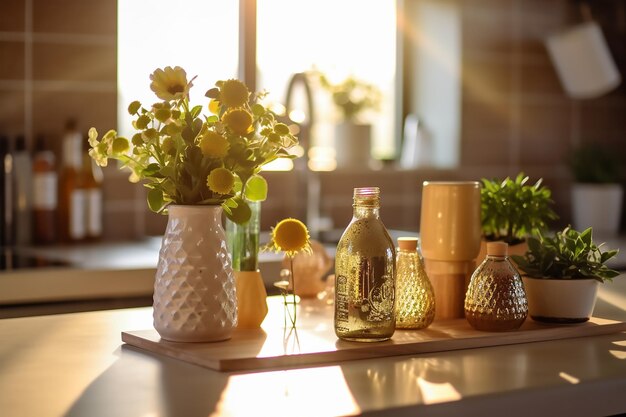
[176, 147]
[512, 210]
[593, 164]
[352, 96]
[567, 255]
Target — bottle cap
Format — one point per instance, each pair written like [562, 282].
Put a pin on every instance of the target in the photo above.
[497, 248]
[407, 243]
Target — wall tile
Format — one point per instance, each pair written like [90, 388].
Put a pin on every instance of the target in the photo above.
[11, 60]
[12, 16]
[51, 109]
[12, 112]
[487, 78]
[74, 62]
[75, 16]
[485, 148]
[545, 133]
[538, 75]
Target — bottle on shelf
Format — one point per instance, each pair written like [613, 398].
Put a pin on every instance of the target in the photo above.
[495, 299]
[45, 190]
[365, 274]
[5, 189]
[22, 193]
[72, 196]
[415, 299]
[92, 182]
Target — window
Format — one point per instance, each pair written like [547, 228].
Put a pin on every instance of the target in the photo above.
[201, 36]
[349, 37]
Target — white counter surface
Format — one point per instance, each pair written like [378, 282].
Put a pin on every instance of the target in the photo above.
[76, 365]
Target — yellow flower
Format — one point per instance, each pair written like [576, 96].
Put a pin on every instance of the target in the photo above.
[214, 106]
[169, 83]
[290, 236]
[238, 120]
[214, 145]
[233, 93]
[120, 145]
[221, 181]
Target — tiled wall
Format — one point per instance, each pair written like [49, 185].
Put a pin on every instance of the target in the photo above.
[514, 110]
[58, 60]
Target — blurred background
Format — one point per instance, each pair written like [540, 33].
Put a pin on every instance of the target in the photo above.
[467, 89]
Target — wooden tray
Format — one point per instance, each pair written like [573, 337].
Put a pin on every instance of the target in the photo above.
[314, 341]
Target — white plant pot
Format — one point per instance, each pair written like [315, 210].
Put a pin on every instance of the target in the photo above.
[560, 300]
[352, 145]
[194, 289]
[598, 206]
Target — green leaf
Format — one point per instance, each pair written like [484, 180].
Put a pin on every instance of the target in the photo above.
[155, 200]
[213, 93]
[133, 107]
[151, 170]
[195, 111]
[256, 188]
[239, 214]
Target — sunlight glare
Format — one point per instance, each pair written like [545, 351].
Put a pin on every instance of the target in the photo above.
[433, 393]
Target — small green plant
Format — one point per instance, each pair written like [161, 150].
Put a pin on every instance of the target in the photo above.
[512, 210]
[568, 255]
[352, 96]
[593, 164]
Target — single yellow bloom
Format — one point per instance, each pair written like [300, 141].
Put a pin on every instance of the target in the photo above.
[221, 181]
[238, 120]
[120, 145]
[214, 145]
[169, 83]
[234, 93]
[214, 106]
[290, 236]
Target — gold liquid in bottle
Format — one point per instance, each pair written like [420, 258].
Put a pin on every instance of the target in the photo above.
[365, 274]
[415, 299]
[495, 299]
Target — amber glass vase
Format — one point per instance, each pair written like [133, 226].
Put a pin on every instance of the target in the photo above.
[495, 299]
[415, 299]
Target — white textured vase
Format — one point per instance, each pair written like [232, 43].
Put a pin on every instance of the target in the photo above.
[194, 289]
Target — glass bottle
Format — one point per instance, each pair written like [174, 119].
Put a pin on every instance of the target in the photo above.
[365, 274]
[72, 197]
[415, 299]
[45, 198]
[243, 240]
[92, 183]
[495, 299]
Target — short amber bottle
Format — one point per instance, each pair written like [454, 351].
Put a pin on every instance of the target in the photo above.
[415, 299]
[495, 299]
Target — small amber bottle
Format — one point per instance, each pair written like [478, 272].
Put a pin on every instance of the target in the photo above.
[415, 299]
[45, 198]
[495, 299]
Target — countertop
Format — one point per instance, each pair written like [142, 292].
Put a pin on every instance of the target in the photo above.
[76, 365]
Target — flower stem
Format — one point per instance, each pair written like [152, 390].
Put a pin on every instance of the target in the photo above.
[293, 288]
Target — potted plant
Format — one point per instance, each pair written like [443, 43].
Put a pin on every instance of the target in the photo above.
[596, 193]
[561, 275]
[196, 166]
[353, 136]
[511, 210]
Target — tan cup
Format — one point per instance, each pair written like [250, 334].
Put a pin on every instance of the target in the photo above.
[450, 241]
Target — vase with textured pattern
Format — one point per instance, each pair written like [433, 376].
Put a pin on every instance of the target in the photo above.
[194, 289]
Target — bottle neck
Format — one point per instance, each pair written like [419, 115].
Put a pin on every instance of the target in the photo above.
[362, 212]
[72, 151]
